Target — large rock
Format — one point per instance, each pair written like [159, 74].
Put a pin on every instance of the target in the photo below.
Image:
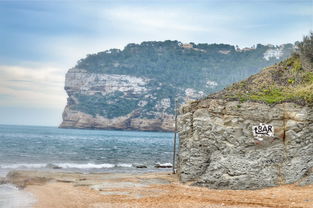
[218, 149]
[23, 178]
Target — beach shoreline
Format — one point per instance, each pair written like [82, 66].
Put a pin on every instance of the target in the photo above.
[143, 190]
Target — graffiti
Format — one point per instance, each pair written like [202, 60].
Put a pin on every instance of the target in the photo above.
[263, 130]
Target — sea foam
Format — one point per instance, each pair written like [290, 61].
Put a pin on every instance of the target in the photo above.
[65, 165]
[12, 197]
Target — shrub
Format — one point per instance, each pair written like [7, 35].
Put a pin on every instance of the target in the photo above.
[270, 95]
[306, 47]
[296, 66]
[308, 77]
[291, 81]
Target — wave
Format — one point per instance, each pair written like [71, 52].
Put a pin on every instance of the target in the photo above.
[23, 165]
[164, 164]
[65, 165]
[85, 166]
[124, 165]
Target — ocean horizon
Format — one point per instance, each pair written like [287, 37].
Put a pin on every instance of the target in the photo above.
[85, 150]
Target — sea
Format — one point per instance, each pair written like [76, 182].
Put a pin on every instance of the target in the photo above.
[76, 150]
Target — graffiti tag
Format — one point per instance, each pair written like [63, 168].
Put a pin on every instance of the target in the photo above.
[263, 130]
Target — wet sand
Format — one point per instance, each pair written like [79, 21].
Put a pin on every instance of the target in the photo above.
[159, 190]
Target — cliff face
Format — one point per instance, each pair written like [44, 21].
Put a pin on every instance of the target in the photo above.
[80, 84]
[218, 149]
[136, 88]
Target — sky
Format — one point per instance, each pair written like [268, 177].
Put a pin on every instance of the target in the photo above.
[41, 39]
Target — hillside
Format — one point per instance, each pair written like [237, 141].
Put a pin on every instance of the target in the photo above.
[254, 134]
[136, 88]
[286, 81]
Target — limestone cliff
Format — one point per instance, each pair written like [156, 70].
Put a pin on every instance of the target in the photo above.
[80, 83]
[220, 143]
[135, 88]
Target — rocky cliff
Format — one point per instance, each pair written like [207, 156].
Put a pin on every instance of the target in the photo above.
[256, 133]
[218, 149]
[136, 88]
[89, 92]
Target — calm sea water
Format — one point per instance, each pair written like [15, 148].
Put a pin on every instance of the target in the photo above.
[32, 147]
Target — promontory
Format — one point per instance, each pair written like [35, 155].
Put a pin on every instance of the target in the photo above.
[136, 88]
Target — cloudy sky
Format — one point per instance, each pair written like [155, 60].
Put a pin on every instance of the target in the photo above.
[41, 40]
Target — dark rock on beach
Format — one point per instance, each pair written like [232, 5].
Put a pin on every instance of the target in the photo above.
[141, 166]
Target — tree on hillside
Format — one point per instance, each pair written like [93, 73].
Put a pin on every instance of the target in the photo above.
[306, 50]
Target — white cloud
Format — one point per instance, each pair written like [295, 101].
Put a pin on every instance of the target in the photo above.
[143, 19]
[116, 26]
[32, 87]
[153, 23]
[69, 50]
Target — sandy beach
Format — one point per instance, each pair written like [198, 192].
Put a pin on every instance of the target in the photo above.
[159, 190]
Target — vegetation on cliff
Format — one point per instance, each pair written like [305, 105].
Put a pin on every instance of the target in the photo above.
[290, 80]
[184, 65]
[174, 70]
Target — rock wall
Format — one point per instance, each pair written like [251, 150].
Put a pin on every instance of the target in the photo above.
[218, 149]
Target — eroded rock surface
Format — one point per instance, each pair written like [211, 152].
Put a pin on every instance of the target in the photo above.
[218, 150]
